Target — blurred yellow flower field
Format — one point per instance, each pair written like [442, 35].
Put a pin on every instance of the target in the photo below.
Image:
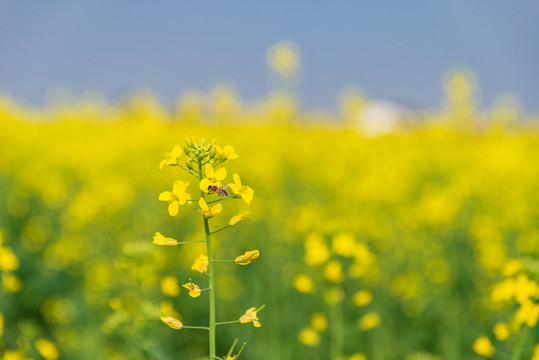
[421, 243]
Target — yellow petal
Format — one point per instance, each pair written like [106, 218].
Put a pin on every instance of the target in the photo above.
[166, 196]
[216, 209]
[237, 180]
[220, 174]
[162, 164]
[202, 204]
[176, 151]
[247, 195]
[173, 208]
[208, 171]
[179, 187]
[183, 198]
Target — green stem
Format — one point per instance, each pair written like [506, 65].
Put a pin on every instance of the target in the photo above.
[517, 354]
[232, 348]
[211, 275]
[227, 322]
[221, 229]
[190, 242]
[196, 327]
[189, 171]
[220, 199]
[336, 324]
[223, 261]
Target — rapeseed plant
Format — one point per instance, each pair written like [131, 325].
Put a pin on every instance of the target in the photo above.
[203, 163]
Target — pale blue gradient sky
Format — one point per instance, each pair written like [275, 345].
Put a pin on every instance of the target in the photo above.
[394, 50]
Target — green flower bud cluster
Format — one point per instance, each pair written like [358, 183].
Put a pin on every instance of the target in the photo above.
[199, 151]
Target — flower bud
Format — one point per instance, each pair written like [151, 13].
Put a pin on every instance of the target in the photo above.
[202, 141]
[186, 150]
[189, 164]
[188, 142]
[212, 153]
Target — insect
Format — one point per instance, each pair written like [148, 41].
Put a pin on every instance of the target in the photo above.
[214, 189]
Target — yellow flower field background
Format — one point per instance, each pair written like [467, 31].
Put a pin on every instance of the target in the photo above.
[417, 244]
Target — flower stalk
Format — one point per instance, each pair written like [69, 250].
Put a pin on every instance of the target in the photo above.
[203, 163]
[211, 274]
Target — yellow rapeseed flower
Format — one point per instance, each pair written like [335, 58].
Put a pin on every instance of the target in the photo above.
[159, 239]
[512, 267]
[247, 258]
[176, 197]
[503, 291]
[12, 283]
[194, 289]
[47, 349]
[172, 322]
[200, 264]
[316, 251]
[535, 355]
[524, 288]
[369, 321]
[207, 211]
[171, 158]
[483, 346]
[501, 330]
[13, 355]
[309, 337]
[319, 322]
[357, 356]
[169, 286]
[333, 272]
[362, 298]
[228, 152]
[244, 191]
[8, 259]
[527, 313]
[303, 283]
[344, 245]
[242, 216]
[250, 316]
[213, 177]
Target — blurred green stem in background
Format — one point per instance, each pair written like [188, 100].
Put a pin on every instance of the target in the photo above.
[517, 354]
[336, 330]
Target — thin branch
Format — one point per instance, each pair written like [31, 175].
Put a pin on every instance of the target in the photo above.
[227, 322]
[221, 229]
[196, 327]
[190, 242]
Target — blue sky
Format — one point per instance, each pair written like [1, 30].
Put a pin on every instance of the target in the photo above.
[395, 50]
